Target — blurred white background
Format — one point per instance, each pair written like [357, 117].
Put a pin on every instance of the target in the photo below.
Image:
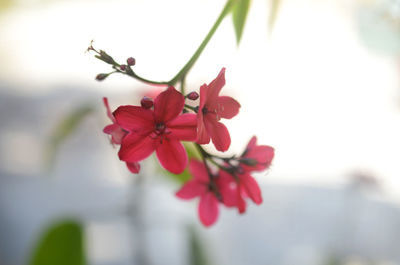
[322, 89]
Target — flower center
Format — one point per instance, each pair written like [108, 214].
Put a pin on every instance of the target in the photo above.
[160, 128]
[204, 110]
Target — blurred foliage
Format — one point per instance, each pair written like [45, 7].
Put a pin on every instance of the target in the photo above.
[5, 4]
[64, 129]
[192, 152]
[61, 244]
[239, 15]
[275, 4]
[197, 252]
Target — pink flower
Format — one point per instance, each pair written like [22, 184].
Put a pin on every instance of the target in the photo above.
[241, 183]
[256, 157]
[202, 186]
[239, 187]
[117, 134]
[211, 109]
[159, 130]
[113, 129]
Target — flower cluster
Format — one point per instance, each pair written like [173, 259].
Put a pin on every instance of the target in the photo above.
[160, 125]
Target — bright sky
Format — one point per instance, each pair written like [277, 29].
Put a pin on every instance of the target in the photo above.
[328, 105]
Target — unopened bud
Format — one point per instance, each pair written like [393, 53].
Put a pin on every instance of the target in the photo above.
[146, 102]
[192, 95]
[248, 161]
[105, 57]
[131, 61]
[122, 67]
[101, 77]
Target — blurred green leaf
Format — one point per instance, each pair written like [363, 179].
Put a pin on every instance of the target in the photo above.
[275, 4]
[67, 125]
[192, 152]
[239, 15]
[61, 244]
[197, 252]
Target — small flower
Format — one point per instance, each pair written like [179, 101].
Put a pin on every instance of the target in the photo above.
[256, 157]
[159, 130]
[201, 186]
[211, 109]
[117, 134]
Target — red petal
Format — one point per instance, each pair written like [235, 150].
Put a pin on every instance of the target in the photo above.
[251, 187]
[216, 85]
[168, 105]
[241, 204]
[172, 155]
[136, 147]
[252, 143]
[133, 118]
[191, 189]
[263, 154]
[227, 107]
[219, 133]
[202, 135]
[198, 171]
[133, 167]
[116, 132]
[208, 209]
[183, 127]
[109, 114]
[228, 189]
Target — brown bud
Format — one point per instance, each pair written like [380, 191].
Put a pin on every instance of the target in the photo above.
[192, 95]
[101, 77]
[146, 102]
[131, 61]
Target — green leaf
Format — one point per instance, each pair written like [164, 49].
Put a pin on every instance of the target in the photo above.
[63, 130]
[239, 15]
[61, 244]
[275, 4]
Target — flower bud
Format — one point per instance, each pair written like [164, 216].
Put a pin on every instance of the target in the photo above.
[131, 61]
[146, 102]
[192, 95]
[122, 67]
[105, 57]
[101, 77]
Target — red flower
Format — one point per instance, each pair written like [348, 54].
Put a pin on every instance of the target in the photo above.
[117, 134]
[256, 157]
[211, 109]
[159, 130]
[201, 186]
[241, 183]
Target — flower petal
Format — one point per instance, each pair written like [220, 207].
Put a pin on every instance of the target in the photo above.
[168, 105]
[228, 188]
[134, 118]
[227, 107]
[116, 132]
[208, 209]
[136, 147]
[251, 188]
[218, 132]
[202, 135]
[198, 171]
[109, 114]
[172, 155]
[216, 85]
[263, 154]
[183, 127]
[241, 203]
[133, 167]
[191, 189]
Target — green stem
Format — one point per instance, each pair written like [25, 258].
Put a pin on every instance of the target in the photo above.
[185, 69]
